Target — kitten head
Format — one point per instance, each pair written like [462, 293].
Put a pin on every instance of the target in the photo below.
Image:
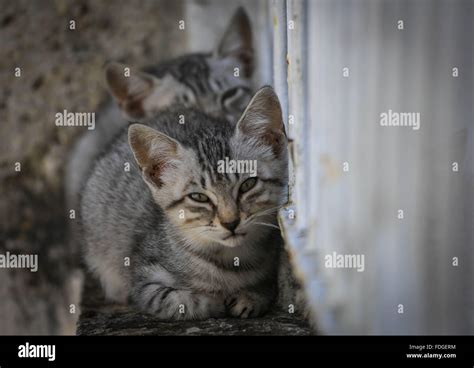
[207, 81]
[217, 183]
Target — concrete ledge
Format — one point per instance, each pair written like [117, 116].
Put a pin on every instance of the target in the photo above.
[100, 318]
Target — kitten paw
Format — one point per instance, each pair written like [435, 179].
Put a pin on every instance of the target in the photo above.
[246, 305]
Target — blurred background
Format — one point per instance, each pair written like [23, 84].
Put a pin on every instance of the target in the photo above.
[336, 66]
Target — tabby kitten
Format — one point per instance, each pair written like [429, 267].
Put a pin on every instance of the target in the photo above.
[204, 80]
[175, 236]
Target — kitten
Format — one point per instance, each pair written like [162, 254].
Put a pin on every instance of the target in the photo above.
[200, 243]
[204, 80]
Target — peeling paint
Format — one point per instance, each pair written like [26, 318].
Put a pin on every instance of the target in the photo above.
[331, 170]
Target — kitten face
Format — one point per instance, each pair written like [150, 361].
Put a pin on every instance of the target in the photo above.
[210, 84]
[228, 209]
[207, 81]
[212, 207]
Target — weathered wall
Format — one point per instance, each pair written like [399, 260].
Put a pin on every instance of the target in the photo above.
[397, 197]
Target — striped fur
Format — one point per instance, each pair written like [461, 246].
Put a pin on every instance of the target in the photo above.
[191, 266]
[202, 80]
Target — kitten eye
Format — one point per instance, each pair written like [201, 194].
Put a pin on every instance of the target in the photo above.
[236, 98]
[247, 185]
[230, 93]
[199, 197]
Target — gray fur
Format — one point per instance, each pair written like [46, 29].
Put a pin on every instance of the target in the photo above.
[173, 265]
[202, 80]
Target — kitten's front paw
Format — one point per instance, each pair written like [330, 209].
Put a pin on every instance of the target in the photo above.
[246, 305]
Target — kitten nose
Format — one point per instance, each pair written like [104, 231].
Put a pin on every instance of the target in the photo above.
[231, 226]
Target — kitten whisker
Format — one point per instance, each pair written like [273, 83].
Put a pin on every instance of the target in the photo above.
[264, 212]
[265, 224]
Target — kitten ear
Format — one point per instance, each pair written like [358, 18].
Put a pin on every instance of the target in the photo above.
[129, 91]
[153, 151]
[262, 120]
[237, 41]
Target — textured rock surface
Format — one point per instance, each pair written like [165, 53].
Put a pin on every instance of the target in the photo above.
[125, 322]
[99, 318]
